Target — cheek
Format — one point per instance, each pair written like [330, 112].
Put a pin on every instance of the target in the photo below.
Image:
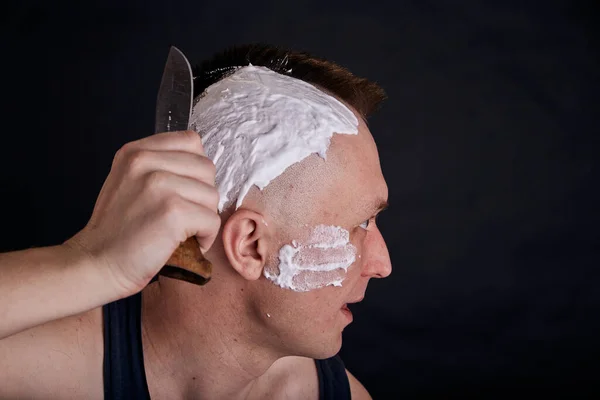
[321, 260]
[311, 280]
[360, 241]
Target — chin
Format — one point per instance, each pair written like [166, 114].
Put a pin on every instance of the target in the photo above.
[327, 347]
[329, 353]
[329, 343]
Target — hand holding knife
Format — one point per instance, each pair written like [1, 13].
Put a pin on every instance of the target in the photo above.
[173, 111]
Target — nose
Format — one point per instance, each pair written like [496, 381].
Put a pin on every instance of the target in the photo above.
[376, 258]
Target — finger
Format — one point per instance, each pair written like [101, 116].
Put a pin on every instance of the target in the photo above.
[165, 184]
[188, 141]
[175, 162]
[197, 221]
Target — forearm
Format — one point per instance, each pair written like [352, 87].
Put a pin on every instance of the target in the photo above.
[48, 283]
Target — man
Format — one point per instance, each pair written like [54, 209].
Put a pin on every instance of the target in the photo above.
[82, 320]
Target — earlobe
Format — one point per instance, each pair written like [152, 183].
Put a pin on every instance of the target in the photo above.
[245, 241]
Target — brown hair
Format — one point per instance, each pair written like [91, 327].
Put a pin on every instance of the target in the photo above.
[365, 96]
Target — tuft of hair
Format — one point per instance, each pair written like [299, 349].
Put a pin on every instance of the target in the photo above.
[364, 95]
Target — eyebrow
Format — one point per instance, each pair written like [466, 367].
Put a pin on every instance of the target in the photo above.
[383, 204]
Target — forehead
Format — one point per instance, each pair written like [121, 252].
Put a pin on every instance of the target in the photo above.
[357, 181]
[340, 190]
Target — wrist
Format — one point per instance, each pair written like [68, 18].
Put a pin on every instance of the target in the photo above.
[91, 272]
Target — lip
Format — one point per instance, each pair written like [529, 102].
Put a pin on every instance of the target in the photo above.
[347, 313]
[357, 300]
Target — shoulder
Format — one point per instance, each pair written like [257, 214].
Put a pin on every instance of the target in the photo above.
[357, 390]
[61, 358]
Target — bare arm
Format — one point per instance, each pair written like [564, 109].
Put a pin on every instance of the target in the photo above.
[357, 390]
[160, 191]
[43, 284]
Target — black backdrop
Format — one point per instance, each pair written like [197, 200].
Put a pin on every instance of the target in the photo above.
[488, 142]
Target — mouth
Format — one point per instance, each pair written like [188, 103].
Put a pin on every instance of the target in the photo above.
[347, 313]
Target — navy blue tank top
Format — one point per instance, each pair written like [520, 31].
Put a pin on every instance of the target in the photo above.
[124, 374]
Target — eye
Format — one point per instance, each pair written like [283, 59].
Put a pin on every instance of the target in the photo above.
[365, 224]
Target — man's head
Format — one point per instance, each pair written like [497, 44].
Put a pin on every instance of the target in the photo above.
[319, 211]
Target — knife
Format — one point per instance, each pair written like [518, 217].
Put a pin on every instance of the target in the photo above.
[173, 110]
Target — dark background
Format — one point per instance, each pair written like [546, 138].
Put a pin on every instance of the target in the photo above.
[489, 143]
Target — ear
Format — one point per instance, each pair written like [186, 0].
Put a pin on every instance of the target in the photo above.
[245, 241]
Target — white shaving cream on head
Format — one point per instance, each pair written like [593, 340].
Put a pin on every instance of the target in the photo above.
[255, 123]
[316, 262]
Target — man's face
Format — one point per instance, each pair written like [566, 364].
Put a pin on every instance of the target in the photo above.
[346, 190]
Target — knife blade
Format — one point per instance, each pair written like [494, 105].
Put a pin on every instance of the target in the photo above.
[175, 94]
[173, 111]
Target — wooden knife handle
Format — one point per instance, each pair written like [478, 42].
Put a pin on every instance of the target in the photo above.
[188, 264]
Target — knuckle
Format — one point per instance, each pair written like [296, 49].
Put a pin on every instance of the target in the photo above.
[121, 154]
[137, 159]
[172, 208]
[155, 179]
[172, 217]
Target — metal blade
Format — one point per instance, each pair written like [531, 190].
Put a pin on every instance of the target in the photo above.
[175, 95]
[173, 111]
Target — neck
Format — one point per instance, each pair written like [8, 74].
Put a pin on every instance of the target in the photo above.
[195, 343]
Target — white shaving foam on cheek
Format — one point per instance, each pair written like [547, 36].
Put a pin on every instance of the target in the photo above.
[322, 260]
[256, 123]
